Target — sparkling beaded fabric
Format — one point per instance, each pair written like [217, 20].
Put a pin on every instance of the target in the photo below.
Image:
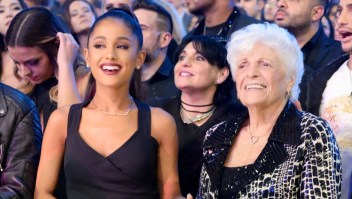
[300, 160]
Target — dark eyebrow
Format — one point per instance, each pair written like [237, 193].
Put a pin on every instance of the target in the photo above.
[33, 59]
[117, 38]
[29, 60]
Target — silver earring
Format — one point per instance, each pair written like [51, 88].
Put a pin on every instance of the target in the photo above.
[87, 65]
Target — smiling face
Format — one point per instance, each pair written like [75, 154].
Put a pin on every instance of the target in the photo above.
[194, 73]
[344, 24]
[113, 53]
[261, 80]
[81, 16]
[8, 9]
[32, 62]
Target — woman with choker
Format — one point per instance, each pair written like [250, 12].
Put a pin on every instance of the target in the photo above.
[46, 55]
[202, 74]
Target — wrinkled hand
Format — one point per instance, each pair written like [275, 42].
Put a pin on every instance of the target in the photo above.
[68, 49]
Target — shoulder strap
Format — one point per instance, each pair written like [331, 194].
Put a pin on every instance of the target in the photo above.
[144, 118]
[74, 117]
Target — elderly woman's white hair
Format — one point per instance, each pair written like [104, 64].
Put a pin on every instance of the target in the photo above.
[271, 35]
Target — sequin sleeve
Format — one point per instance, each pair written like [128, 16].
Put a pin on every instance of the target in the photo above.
[321, 169]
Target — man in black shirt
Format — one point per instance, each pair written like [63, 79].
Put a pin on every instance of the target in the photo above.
[303, 19]
[221, 18]
[157, 71]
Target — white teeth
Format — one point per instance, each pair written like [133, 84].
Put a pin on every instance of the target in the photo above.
[255, 86]
[185, 74]
[111, 68]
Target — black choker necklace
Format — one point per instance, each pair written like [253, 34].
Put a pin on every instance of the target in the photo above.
[211, 104]
[203, 112]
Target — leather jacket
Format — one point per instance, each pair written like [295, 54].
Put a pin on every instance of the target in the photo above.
[20, 144]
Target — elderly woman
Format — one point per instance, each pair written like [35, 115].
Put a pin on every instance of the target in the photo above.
[272, 150]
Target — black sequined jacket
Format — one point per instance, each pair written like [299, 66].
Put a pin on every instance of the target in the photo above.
[20, 144]
[300, 160]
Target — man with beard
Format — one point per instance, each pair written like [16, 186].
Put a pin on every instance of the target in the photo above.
[221, 18]
[303, 19]
[157, 71]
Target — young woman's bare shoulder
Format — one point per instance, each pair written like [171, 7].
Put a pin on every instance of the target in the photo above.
[159, 116]
[58, 119]
[163, 124]
[61, 113]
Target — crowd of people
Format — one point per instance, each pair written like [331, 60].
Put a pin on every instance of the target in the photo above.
[175, 99]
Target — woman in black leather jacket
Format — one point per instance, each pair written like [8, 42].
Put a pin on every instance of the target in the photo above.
[20, 144]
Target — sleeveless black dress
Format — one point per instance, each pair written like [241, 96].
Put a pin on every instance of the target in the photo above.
[129, 172]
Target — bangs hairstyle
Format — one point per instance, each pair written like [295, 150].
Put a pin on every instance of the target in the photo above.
[125, 16]
[274, 37]
[215, 54]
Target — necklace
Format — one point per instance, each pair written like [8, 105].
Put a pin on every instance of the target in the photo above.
[114, 114]
[255, 139]
[205, 30]
[197, 105]
[192, 111]
[196, 118]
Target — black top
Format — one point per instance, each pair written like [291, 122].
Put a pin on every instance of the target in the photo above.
[41, 98]
[129, 172]
[190, 139]
[161, 85]
[318, 52]
[232, 179]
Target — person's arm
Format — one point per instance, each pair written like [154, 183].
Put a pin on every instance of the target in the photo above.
[321, 174]
[164, 131]
[67, 86]
[18, 171]
[52, 153]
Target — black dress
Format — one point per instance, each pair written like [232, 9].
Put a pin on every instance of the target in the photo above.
[129, 172]
[190, 141]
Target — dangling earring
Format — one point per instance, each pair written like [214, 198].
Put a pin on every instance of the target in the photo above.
[288, 94]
